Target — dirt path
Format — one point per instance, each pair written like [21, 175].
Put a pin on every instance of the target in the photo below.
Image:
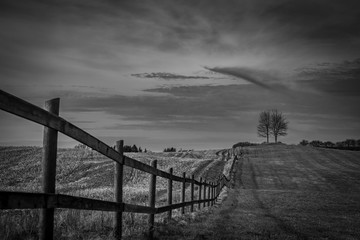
[285, 192]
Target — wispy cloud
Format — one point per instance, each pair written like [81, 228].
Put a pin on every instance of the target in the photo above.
[260, 78]
[166, 76]
[340, 79]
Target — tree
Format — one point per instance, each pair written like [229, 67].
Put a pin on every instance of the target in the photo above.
[134, 148]
[172, 149]
[329, 144]
[350, 142]
[316, 143]
[264, 125]
[278, 124]
[304, 142]
[128, 148]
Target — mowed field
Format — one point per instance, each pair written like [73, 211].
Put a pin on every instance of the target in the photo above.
[286, 192]
[86, 173]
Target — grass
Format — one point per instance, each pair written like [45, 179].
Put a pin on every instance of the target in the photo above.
[284, 192]
[88, 174]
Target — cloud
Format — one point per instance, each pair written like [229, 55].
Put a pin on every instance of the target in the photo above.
[257, 77]
[166, 76]
[316, 20]
[339, 79]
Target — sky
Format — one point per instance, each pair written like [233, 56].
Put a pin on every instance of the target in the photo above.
[185, 74]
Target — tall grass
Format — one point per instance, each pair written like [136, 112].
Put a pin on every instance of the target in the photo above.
[88, 174]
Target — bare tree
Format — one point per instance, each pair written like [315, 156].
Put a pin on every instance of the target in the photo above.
[264, 125]
[278, 124]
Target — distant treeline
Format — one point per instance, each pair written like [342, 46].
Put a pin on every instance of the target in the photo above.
[348, 144]
[133, 148]
[170, 149]
[244, 144]
[126, 148]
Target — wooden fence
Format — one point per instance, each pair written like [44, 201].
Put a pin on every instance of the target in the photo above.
[47, 201]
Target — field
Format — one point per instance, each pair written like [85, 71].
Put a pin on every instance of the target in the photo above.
[285, 192]
[278, 192]
[88, 174]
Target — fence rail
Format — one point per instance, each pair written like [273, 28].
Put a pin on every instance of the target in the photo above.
[48, 200]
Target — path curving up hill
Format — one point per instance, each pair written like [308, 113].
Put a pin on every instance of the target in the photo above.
[285, 192]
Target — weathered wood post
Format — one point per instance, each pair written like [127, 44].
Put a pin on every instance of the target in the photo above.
[152, 192]
[209, 197]
[215, 193]
[204, 204]
[192, 193]
[183, 193]
[216, 190]
[169, 190]
[212, 193]
[199, 192]
[118, 187]
[48, 165]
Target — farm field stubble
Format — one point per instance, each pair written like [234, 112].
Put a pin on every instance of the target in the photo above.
[86, 173]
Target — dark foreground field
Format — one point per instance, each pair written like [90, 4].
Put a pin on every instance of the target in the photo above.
[285, 192]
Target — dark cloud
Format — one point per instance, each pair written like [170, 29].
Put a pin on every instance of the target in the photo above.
[257, 77]
[166, 76]
[341, 79]
[317, 20]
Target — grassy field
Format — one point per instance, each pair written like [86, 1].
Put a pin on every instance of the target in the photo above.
[285, 192]
[88, 174]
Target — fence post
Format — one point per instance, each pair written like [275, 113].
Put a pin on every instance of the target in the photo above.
[209, 189]
[192, 193]
[199, 204]
[46, 221]
[170, 193]
[212, 193]
[217, 190]
[118, 187]
[152, 192]
[215, 193]
[204, 204]
[183, 193]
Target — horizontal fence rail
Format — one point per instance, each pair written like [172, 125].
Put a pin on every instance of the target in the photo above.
[48, 200]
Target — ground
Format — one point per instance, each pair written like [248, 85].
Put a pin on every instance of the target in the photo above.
[283, 192]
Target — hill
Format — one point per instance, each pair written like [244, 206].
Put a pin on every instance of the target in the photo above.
[285, 192]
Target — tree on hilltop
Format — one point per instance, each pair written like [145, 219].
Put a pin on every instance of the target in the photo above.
[278, 124]
[264, 125]
[272, 123]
